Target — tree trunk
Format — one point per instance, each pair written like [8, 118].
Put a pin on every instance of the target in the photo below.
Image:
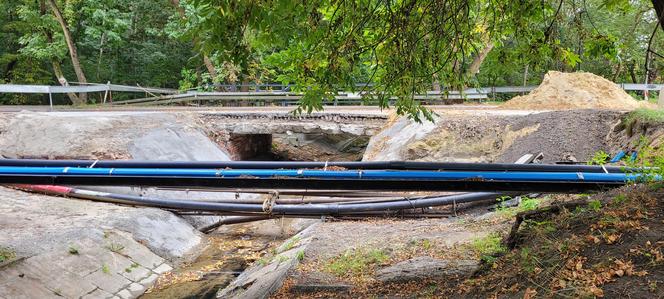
[477, 62]
[659, 8]
[206, 60]
[73, 52]
[63, 81]
[210, 68]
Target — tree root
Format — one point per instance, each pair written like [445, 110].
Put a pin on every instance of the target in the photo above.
[511, 240]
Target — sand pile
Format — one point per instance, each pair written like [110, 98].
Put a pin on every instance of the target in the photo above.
[563, 91]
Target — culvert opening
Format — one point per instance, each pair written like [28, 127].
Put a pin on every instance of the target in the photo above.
[298, 147]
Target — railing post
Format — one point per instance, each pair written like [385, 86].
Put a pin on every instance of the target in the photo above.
[50, 99]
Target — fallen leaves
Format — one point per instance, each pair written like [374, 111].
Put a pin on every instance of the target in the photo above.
[529, 294]
[588, 281]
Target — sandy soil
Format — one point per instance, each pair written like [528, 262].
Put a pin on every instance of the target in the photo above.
[564, 91]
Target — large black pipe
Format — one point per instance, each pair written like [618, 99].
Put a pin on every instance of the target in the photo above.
[397, 165]
[275, 183]
[286, 209]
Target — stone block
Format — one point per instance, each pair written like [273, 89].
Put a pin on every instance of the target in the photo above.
[110, 282]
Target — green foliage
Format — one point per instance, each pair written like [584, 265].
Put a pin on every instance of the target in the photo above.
[320, 47]
[115, 247]
[599, 158]
[426, 244]
[73, 249]
[488, 247]
[356, 262]
[105, 269]
[6, 254]
[619, 199]
[644, 115]
[131, 267]
[526, 204]
[292, 242]
[595, 205]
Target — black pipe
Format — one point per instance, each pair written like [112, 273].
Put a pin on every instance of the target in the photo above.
[230, 220]
[276, 183]
[400, 165]
[287, 209]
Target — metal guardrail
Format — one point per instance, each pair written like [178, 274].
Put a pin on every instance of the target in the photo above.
[44, 89]
[284, 97]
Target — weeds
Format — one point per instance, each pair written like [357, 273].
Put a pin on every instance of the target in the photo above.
[356, 262]
[426, 244]
[115, 247]
[599, 158]
[291, 243]
[489, 247]
[132, 267]
[6, 254]
[653, 116]
[300, 255]
[595, 205]
[73, 249]
[105, 269]
[527, 204]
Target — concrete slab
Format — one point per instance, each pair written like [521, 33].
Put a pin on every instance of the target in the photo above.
[25, 288]
[98, 294]
[108, 281]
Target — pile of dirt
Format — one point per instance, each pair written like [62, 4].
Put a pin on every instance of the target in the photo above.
[564, 91]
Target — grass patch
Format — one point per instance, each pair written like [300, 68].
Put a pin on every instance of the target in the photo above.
[643, 115]
[6, 254]
[115, 247]
[356, 262]
[527, 204]
[132, 267]
[291, 244]
[488, 247]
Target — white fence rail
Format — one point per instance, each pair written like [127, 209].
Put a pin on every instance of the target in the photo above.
[45, 89]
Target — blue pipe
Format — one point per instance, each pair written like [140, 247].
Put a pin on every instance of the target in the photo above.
[332, 174]
[618, 157]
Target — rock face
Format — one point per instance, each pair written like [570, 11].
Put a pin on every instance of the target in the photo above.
[425, 267]
[107, 135]
[389, 144]
[43, 231]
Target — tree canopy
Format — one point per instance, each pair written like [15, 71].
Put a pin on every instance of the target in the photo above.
[385, 49]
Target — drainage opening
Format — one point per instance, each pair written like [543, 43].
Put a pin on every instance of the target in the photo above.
[298, 147]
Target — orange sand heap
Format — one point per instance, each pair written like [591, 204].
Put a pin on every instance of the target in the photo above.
[565, 91]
